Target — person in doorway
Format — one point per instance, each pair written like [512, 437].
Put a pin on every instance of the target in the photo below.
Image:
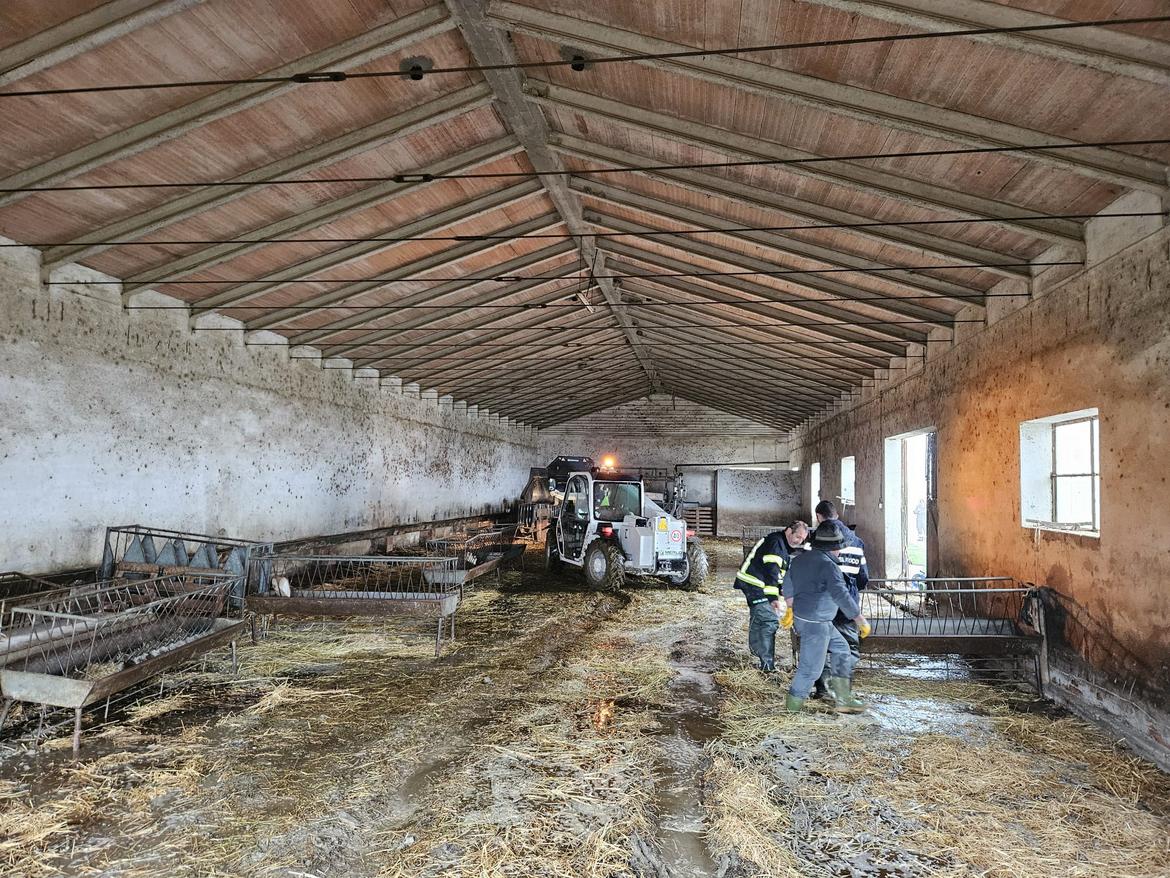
[920, 520]
[759, 579]
[815, 590]
[851, 560]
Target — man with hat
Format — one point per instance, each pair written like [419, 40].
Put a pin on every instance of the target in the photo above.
[814, 589]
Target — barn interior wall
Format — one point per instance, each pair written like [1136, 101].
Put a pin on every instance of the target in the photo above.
[1098, 339]
[661, 432]
[116, 417]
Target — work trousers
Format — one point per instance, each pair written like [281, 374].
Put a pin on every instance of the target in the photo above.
[818, 639]
[762, 625]
[848, 630]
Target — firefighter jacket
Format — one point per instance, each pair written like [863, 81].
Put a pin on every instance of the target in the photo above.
[763, 569]
[851, 560]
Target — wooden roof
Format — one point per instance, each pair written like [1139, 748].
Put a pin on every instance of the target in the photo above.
[544, 298]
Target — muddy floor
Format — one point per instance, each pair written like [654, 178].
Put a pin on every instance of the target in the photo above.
[570, 733]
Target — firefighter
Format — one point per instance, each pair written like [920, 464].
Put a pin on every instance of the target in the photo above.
[815, 591]
[759, 579]
[853, 567]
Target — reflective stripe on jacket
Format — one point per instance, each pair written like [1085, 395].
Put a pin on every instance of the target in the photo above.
[763, 569]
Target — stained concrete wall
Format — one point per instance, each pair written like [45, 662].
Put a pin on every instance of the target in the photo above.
[659, 432]
[116, 417]
[1100, 338]
[749, 497]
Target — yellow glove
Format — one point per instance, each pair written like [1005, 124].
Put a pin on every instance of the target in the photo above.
[786, 619]
[865, 630]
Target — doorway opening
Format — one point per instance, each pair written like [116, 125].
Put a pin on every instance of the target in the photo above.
[910, 503]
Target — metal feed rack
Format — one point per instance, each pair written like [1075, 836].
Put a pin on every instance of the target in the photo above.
[75, 646]
[478, 553]
[753, 533]
[367, 585]
[134, 550]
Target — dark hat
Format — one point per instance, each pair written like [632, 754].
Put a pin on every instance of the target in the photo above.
[828, 536]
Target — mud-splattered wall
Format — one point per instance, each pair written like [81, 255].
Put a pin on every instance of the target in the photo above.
[751, 497]
[1099, 339]
[659, 432]
[114, 417]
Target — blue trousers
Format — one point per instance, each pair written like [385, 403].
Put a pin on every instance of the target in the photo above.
[762, 625]
[818, 639]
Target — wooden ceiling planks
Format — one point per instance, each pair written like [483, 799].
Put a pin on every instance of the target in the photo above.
[452, 345]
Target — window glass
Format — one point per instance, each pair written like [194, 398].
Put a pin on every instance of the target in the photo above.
[1073, 447]
[613, 501]
[1074, 500]
[814, 476]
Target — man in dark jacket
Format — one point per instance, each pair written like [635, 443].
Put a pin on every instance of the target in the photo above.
[759, 579]
[853, 567]
[815, 591]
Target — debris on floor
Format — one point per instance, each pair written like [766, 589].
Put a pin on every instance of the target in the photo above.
[569, 732]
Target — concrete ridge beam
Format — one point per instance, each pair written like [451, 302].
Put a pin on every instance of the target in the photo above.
[889, 111]
[134, 139]
[316, 217]
[739, 147]
[489, 46]
[304, 161]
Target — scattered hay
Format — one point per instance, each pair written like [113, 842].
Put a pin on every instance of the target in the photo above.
[152, 708]
[744, 825]
[284, 695]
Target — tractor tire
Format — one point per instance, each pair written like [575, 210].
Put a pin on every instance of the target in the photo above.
[697, 570]
[605, 567]
[552, 558]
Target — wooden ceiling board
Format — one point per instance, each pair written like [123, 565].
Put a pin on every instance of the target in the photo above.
[1033, 91]
[21, 19]
[777, 178]
[848, 240]
[238, 218]
[397, 255]
[819, 132]
[214, 40]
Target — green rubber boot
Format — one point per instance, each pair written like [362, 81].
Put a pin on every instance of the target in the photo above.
[793, 704]
[846, 703]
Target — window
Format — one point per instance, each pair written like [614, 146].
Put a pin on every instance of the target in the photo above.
[1060, 473]
[814, 481]
[613, 501]
[848, 481]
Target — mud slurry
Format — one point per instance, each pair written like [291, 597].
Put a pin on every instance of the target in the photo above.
[573, 733]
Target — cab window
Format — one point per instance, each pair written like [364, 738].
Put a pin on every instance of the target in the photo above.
[613, 501]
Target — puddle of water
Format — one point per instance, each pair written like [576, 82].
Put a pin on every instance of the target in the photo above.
[691, 721]
[918, 717]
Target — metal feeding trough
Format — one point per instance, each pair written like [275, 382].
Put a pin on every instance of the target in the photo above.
[477, 554]
[365, 585]
[75, 646]
[135, 551]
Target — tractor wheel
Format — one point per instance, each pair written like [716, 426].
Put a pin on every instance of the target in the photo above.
[605, 567]
[697, 569]
[552, 558]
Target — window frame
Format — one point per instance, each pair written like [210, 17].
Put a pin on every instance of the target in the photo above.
[1043, 476]
[850, 498]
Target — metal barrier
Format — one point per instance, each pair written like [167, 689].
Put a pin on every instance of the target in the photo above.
[478, 553]
[979, 615]
[74, 646]
[367, 585]
[753, 533]
[134, 551]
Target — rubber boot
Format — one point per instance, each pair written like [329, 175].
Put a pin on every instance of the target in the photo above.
[846, 703]
[793, 704]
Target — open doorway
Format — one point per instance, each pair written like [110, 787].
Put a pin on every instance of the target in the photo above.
[909, 503]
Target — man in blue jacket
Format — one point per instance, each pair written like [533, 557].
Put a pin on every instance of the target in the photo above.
[815, 591]
[853, 567]
[759, 579]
